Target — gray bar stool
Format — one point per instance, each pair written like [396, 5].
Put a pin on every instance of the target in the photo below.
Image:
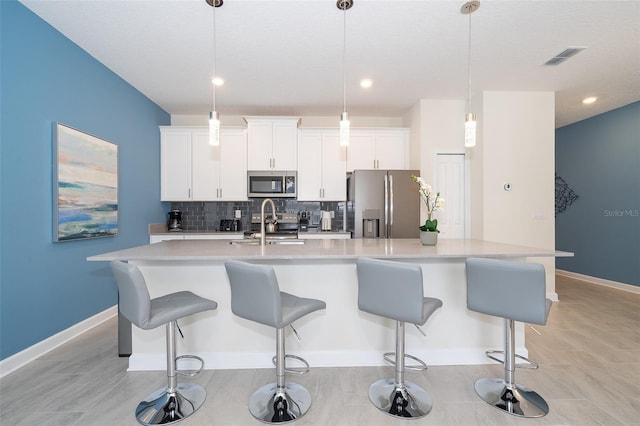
[394, 290]
[256, 296]
[514, 291]
[176, 401]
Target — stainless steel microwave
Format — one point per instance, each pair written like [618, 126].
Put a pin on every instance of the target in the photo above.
[275, 184]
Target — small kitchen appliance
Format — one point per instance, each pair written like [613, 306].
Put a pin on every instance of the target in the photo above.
[174, 224]
[303, 222]
[232, 225]
[325, 220]
[277, 184]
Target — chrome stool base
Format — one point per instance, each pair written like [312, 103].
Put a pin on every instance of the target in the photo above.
[409, 401]
[163, 407]
[270, 405]
[519, 401]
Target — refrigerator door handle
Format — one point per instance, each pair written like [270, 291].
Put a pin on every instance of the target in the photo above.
[390, 203]
[386, 204]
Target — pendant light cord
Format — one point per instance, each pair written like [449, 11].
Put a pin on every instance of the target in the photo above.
[214, 55]
[469, 68]
[344, 55]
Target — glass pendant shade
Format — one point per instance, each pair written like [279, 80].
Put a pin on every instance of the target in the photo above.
[214, 128]
[470, 130]
[344, 129]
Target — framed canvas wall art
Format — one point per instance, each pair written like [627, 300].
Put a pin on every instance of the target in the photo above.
[85, 185]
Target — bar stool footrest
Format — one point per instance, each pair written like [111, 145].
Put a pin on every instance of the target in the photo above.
[390, 358]
[190, 373]
[529, 364]
[294, 370]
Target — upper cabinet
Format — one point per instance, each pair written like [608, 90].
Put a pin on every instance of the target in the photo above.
[385, 148]
[193, 170]
[272, 143]
[322, 166]
[175, 164]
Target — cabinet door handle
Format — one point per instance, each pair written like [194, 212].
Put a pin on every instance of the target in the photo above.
[189, 193]
[220, 192]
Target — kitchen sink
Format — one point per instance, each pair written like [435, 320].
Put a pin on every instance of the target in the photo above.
[256, 242]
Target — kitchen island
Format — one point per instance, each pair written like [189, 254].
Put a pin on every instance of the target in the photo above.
[341, 335]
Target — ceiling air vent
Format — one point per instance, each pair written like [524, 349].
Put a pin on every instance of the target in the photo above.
[564, 55]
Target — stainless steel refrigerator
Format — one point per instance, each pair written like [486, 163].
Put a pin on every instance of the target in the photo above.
[383, 204]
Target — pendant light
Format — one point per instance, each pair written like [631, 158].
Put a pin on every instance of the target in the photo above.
[214, 118]
[470, 118]
[345, 124]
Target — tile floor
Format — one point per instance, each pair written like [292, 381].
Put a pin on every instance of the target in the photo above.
[589, 356]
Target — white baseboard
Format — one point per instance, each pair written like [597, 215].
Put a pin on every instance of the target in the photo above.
[600, 281]
[242, 360]
[12, 363]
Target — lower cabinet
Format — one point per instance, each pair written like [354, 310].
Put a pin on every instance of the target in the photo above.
[156, 238]
[324, 235]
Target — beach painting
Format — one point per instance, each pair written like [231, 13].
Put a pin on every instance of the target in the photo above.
[85, 184]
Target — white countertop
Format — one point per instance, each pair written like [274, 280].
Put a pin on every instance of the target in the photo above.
[188, 250]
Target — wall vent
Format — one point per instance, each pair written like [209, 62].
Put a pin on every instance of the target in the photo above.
[564, 55]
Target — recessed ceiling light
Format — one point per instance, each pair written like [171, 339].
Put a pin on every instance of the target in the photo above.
[365, 83]
[589, 100]
[217, 81]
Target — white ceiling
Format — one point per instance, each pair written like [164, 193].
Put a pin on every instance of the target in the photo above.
[284, 57]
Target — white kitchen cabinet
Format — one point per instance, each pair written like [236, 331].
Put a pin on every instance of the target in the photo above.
[322, 166]
[272, 143]
[193, 170]
[175, 165]
[233, 164]
[215, 236]
[156, 238]
[324, 235]
[385, 148]
[205, 160]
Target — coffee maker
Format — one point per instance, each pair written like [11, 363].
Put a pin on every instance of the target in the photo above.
[174, 223]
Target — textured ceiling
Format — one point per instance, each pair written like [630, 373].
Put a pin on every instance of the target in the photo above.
[284, 57]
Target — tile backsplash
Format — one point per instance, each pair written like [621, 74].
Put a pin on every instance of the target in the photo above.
[206, 216]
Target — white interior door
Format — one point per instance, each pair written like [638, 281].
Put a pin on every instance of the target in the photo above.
[450, 181]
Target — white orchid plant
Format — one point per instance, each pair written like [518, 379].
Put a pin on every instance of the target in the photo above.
[432, 200]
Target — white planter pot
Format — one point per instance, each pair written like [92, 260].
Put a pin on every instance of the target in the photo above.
[428, 238]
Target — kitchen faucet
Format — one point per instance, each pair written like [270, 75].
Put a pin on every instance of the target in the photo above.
[263, 234]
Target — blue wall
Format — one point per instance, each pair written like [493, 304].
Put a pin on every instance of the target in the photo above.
[47, 287]
[599, 158]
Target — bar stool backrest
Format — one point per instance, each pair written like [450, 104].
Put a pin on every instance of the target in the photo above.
[134, 301]
[512, 290]
[255, 293]
[391, 289]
